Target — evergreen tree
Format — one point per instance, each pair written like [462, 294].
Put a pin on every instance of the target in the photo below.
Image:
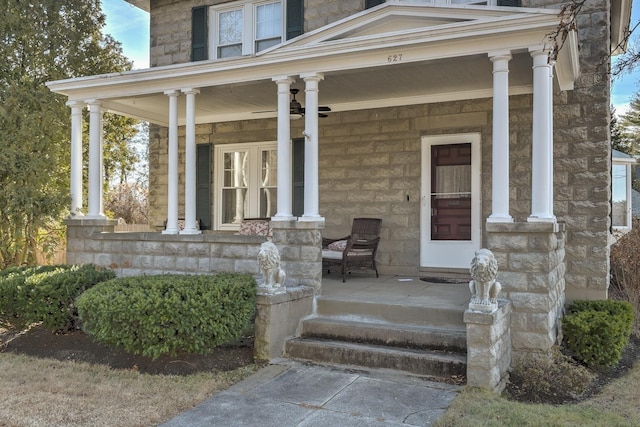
[39, 42]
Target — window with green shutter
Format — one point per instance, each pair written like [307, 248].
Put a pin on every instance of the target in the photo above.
[297, 170]
[203, 185]
[368, 4]
[199, 49]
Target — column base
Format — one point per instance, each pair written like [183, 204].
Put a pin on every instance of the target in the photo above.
[190, 231]
[500, 218]
[311, 218]
[283, 218]
[533, 218]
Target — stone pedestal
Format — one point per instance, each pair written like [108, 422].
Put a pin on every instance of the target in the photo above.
[489, 347]
[277, 318]
[300, 246]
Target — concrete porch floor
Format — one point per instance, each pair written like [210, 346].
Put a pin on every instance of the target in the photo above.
[396, 290]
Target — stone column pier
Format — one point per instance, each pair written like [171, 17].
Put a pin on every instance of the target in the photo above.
[531, 260]
[300, 246]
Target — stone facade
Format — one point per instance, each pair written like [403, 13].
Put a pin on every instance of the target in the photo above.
[132, 254]
[372, 157]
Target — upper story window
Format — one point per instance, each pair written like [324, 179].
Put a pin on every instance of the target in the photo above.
[372, 3]
[245, 28]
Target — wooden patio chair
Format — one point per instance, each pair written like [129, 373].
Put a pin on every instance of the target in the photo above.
[355, 251]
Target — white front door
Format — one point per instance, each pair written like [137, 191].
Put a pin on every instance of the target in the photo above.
[450, 200]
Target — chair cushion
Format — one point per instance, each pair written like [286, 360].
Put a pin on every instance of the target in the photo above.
[338, 254]
[338, 245]
[331, 254]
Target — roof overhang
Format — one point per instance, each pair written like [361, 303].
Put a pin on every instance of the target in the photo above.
[620, 21]
[142, 4]
[390, 55]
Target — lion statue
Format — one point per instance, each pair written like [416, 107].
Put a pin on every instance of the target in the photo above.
[483, 286]
[269, 262]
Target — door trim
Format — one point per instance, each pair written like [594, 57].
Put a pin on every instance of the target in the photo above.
[449, 254]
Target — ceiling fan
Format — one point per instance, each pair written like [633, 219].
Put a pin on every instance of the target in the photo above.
[295, 108]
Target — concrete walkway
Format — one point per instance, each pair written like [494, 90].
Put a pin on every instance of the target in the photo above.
[288, 393]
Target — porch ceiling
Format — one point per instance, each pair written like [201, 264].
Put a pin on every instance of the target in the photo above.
[373, 87]
[387, 56]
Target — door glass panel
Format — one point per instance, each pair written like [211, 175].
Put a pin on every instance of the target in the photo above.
[451, 192]
[234, 186]
[268, 183]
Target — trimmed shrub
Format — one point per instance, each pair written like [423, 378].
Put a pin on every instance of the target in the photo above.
[156, 315]
[596, 332]
[625, 272]
[45, 294]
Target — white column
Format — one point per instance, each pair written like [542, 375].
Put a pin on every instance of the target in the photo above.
[96, 176]
[284, 212]
[172, 169]
[551, 65]
[542, 140]
[76, 158]
[311, 157]
[500, 171]
[190, 164]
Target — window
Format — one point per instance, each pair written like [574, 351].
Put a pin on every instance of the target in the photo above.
[371, 3]
[248, 27]
[621, 195]
[246, 183]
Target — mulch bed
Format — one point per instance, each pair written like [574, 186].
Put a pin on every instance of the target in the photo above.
[603, 376]
[79, 347]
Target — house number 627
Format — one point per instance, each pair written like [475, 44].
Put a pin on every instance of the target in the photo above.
[394, 58]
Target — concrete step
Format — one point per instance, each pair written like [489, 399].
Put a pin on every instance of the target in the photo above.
[421, 362]
[388, 334]
[435, 314]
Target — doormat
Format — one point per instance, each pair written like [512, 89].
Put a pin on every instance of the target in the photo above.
[451, 280]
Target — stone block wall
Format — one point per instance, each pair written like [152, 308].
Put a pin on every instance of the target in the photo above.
[369, 166]
[171, 24]
[132, 254]
[532, 270]
[582, 152]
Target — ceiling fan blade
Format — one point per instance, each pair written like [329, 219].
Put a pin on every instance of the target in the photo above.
[322, 108]
[323, 115]
[265, 111]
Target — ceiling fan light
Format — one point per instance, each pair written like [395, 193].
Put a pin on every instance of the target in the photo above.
[295, 116]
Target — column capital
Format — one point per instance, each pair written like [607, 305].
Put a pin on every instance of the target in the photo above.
[309, 77]
[500, 55]
[172, 92]
[190, 91]
[74, 103]
[539, 50]
[284, 79]
[93, 101]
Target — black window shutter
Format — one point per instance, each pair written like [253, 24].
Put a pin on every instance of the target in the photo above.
[298, 176]
[203, 185]
[368, 4]
[295, 18]
[515, 3]
[199, 51]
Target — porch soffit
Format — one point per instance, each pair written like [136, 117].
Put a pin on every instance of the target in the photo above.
[441, 53]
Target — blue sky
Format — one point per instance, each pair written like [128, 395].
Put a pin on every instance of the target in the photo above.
[130, 26]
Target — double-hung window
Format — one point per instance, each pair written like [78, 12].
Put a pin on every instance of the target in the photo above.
[247, 182]
[245, 28]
